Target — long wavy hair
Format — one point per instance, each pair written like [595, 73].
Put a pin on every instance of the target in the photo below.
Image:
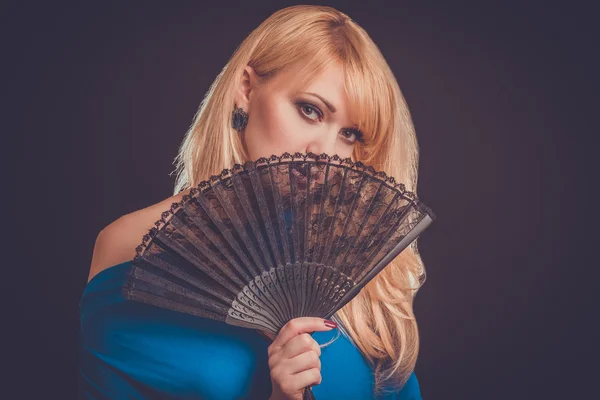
[380, 320]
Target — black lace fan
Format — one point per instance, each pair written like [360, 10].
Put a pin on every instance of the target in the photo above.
[275, 239]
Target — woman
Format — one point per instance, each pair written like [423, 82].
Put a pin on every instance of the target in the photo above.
[308, 79]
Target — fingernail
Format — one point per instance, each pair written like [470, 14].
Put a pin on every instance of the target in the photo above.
[330, 324]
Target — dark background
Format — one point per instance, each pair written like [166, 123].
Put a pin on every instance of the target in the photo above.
[503, 96]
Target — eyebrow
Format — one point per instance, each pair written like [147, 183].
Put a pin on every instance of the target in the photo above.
[328, 104]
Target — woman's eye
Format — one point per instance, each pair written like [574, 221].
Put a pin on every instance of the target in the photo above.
[358, 135]
[311, 112]
[348, 135]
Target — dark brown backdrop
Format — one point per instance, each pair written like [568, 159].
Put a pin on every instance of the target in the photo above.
[101, 94]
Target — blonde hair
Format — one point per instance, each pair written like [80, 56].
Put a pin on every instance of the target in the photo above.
[380, 319]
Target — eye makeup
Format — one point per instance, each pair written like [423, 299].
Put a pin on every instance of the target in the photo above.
[301, 104]
[304, 104]
[360, 137]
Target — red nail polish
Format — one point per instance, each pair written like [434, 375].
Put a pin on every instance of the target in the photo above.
[330, 324]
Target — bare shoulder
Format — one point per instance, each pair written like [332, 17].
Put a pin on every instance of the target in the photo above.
[116, 243]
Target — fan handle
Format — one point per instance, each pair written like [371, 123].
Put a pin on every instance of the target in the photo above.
[308, 394]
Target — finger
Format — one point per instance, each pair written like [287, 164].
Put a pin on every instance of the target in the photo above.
[300, 325]
[303, 361]
[300, 344]
[310, 377]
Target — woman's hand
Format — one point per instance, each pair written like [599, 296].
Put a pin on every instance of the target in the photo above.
[294, 357]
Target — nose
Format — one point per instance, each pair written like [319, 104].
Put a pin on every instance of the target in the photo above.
[323, 144]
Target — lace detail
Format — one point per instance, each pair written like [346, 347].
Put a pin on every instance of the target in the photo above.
[274, 159]
[275, 239]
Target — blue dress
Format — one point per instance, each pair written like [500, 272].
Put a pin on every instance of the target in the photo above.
[131, 350]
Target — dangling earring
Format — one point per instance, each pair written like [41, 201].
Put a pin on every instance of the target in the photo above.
[239, 119]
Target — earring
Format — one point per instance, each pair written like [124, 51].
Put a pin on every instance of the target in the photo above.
[239, 119]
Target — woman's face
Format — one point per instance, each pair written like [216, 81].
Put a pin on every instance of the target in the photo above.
[282, 119]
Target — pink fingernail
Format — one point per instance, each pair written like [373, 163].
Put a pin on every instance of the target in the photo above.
[330, 324]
